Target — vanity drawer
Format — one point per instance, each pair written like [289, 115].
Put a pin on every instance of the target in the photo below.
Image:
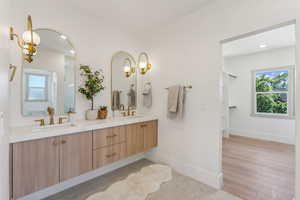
[109, 154]
[109, 136]
[118, 152]
[102, 138]
[101, 157]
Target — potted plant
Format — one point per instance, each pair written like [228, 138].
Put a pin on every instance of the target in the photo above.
[93, 84]
[102, 112]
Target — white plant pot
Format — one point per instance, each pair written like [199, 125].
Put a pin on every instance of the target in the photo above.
[91, 114]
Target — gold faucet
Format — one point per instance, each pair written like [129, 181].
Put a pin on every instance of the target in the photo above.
[129, 110]
[51, 112]
[42, 122]
[61, 120]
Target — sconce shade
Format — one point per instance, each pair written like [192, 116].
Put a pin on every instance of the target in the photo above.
[126, 69]
[28, 39]
[143, 64]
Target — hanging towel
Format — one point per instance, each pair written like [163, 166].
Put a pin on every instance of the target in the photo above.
[173, 98]
[147, 95]
[115, 100]
[176, 98]
[131, 97]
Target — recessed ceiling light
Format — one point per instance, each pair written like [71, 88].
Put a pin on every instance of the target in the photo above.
[262, 46]
[63, 37]
[72, 51]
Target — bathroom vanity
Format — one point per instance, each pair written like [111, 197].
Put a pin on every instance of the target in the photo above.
[41, 158]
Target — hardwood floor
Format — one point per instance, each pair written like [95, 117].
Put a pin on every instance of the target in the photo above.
[258, 170]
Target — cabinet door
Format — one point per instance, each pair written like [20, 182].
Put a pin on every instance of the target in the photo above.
[35, 166]
[150, 135]
[131, 139]
[76, 154]
[140, 137]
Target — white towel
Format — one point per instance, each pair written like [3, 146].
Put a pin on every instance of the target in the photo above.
[173, 98]
[147, 95]
[176, 98]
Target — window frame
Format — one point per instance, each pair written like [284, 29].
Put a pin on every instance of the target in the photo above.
[290, 94]
[27, 87]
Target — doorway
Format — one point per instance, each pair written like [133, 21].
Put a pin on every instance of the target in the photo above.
[258, 87]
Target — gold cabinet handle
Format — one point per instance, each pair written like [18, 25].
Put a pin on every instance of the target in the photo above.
[114, 154]
[55, 143]
[112, 136]
[63, 142]
[111, 155]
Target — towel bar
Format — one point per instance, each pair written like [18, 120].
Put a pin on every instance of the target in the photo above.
[186, 87]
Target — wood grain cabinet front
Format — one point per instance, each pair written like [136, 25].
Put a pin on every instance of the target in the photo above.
[42, 163]
[76, 155]
[35, 165]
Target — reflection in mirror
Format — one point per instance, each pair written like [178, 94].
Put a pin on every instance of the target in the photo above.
[123, 81]
[49, 81]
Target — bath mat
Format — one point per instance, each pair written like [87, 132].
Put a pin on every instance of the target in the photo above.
[137, 186]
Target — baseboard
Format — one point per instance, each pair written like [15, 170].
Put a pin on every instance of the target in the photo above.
[210, 178]
[81, 179]
[262, 136]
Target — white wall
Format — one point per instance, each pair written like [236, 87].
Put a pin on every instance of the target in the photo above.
[240, 95]
[5, 10]
[189, 51]
[95, 42]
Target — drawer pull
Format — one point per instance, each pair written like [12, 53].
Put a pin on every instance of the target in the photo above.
[63, 142]
[111, 155]
[111, 136]
[144, 125]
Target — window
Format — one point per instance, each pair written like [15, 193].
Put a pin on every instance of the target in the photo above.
[273, 94]
[36, 87]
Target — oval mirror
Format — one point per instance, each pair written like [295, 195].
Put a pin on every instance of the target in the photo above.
[123, 81]
[49, 81]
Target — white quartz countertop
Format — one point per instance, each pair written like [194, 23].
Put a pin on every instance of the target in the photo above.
[26, 133]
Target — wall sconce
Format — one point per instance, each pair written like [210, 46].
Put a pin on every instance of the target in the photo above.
[128, 69]
[29, 41]
[143, 63]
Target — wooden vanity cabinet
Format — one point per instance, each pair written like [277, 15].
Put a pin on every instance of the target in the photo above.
[35, 166]
[76, 154]
[39, 164]
[150, 134]
[141, 137]
[42, 163]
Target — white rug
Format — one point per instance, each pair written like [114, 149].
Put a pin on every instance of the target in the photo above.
[137, 186]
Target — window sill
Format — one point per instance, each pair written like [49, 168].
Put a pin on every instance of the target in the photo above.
[273, 116]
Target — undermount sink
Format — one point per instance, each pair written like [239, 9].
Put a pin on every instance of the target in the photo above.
[50, 127]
